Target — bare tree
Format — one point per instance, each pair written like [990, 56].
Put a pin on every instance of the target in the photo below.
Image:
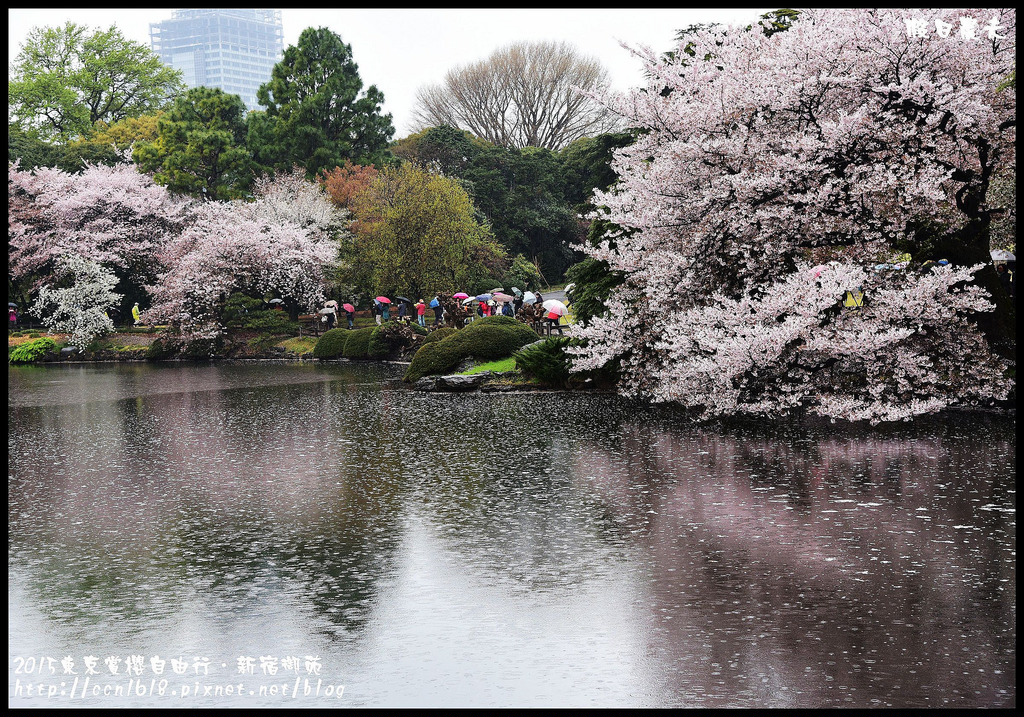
[523, 95]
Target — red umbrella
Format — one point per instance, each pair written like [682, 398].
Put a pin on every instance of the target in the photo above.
[348, 307]
[383, 299]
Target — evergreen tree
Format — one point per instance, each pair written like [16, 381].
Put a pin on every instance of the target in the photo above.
[317, 115]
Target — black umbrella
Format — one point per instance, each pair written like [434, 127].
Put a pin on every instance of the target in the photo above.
[402, 298]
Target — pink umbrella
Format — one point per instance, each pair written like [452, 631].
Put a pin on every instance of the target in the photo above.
[460, 295]
[555, 307]
[502, 297]
[348, 307]
[383, 299]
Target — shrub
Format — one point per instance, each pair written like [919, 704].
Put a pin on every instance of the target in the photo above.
[201, 349]
[386, 339]
[417, 329]
[438, 334]
[299, 346]
[522, 274]
[357, 345]
[262, 342]
[157, 351]
[491, 338]
[245, 312]
[332, 344]
[432, 359]
[484, 285]
[32, 351]
[546, 361]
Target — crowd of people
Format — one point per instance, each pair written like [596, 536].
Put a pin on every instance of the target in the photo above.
[452, 309]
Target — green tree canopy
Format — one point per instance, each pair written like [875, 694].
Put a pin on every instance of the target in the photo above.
[443, 149]
[65, 79]
[200, 149]
[28, 149]
[316, 116]
[416, 233]
[531, 198]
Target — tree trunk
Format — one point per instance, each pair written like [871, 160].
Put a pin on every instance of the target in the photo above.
[970, 246]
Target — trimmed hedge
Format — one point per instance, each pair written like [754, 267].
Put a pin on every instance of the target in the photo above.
[332, 344]
[490, 338]
[438, 334]
[358, 343]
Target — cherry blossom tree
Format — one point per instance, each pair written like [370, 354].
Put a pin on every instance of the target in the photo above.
[285, 243]
[80, 308]
[111, 215]
[841, 142]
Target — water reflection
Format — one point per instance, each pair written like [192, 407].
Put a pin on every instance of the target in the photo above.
[506, 550]
[826, 571]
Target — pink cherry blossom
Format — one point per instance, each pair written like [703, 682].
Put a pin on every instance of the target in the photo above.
[823, 146]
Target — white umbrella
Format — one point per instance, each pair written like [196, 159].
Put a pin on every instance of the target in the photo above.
[529, 297]
[1002, 255]
[553, 306]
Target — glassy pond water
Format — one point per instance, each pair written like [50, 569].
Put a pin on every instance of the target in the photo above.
[260, 535]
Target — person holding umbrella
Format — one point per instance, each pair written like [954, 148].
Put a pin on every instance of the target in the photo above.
[385, 308]
[350, 314]
[332, 313]
[12, 316]
[555, 310]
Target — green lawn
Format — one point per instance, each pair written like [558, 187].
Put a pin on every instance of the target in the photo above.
[505, 364]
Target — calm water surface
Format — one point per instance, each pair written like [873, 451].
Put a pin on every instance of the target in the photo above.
[254, 525]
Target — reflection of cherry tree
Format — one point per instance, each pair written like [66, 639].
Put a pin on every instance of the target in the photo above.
[839, 140]
[785, 563]
[285, 243]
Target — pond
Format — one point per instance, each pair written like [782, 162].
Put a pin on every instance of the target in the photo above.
[298, 535]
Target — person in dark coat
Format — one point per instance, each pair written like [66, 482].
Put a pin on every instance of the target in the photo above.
[438, 311]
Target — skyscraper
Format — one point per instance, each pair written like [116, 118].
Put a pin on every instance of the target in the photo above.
[234, 49]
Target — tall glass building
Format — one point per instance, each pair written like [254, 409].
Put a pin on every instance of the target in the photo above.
[233, 49]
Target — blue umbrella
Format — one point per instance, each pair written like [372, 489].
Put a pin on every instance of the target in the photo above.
[483, 297]
[434, 303]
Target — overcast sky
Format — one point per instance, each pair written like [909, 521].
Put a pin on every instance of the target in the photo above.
[401, 50]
